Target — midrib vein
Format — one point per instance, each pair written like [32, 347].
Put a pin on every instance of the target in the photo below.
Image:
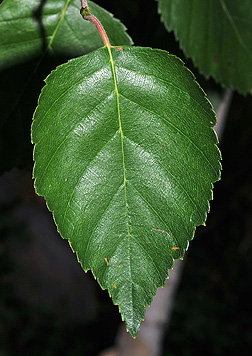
[58, 25]
[41, 58]
[121, 134]
[235, 29]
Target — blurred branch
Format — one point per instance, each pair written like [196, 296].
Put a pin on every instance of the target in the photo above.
[149, 341]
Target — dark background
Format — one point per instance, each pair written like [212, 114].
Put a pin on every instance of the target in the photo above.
[212, 313]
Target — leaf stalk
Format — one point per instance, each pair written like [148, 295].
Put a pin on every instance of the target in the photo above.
[86, 14]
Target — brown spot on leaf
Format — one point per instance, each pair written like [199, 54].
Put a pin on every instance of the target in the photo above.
[162, 231]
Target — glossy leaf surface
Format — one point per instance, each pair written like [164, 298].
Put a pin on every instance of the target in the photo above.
[126, 157]
[217, 35]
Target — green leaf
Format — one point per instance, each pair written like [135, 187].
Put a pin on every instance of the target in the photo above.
[34, 36]
[32, 27]
[126, 156]
[217, 35]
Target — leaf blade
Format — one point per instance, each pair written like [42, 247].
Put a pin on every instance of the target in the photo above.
[124, 194]
[216, 35]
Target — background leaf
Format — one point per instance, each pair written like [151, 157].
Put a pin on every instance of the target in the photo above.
[33, 40]
[217, 35]
[125, 156]
[54, 26]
